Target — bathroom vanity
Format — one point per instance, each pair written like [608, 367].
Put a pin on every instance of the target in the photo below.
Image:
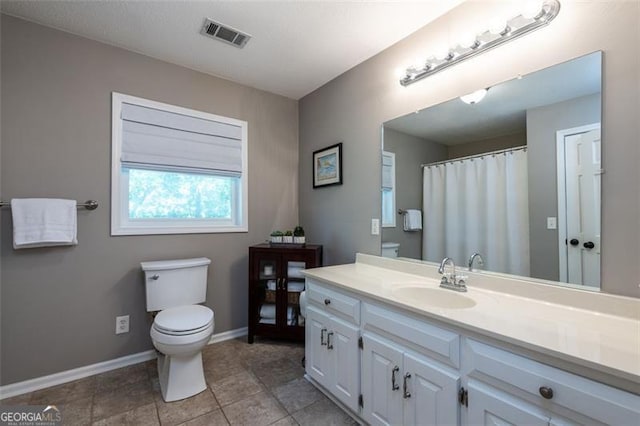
[390, 346]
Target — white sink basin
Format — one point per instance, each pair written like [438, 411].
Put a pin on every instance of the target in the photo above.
[433, 297]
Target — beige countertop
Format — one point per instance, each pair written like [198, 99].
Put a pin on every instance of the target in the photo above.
[598, 331]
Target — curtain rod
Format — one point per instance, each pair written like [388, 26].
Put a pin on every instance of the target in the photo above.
[484, 154]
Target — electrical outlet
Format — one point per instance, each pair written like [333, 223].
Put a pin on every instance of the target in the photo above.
[375, 226]
[122, 324]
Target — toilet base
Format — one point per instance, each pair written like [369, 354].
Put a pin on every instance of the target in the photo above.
[180, 376]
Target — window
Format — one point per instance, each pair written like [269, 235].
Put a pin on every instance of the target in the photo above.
[176, 170]
[388, 189]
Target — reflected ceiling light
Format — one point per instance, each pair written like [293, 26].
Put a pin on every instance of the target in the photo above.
[535, 14]
[475, 97]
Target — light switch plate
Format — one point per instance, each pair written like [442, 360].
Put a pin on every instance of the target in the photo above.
[552, 223]
[375, 226]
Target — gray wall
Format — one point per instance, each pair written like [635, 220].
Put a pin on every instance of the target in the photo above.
[352, 107]
[411, 152]
[542, 125]
[59, 304]
[487, 145]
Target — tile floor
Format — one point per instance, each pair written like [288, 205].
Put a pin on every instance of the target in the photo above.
[258, 384]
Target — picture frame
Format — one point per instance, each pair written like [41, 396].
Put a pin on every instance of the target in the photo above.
[327, 166]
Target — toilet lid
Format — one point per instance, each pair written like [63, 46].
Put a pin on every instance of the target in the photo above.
[183, 318]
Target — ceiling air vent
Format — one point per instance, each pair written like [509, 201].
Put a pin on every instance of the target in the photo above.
[224, 33]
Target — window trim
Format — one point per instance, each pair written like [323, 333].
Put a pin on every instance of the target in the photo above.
[159, 227]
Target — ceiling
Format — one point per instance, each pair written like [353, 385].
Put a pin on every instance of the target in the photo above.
[296, 46]
[503, 109]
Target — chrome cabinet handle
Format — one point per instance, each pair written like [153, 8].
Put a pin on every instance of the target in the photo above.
[405, 392]
[155, 277]
[322, 342]
[545, 392]
[329, 344]
[394, 385]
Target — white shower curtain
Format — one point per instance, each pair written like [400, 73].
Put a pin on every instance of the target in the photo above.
[478, 205]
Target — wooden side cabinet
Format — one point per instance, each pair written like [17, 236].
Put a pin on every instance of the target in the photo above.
[275, 283]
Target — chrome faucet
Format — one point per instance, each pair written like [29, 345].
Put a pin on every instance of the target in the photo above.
[473, 258]
[451, 281]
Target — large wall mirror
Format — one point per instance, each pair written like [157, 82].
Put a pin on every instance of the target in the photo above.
[512, 173]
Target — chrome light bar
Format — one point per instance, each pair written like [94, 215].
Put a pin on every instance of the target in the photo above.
[512, 29]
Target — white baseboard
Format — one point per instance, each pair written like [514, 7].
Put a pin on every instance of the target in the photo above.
[19, 388]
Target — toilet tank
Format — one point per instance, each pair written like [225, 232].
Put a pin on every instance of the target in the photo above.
[171, 283]
[390, 249]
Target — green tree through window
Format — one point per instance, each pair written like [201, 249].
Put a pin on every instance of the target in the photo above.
[173, 195]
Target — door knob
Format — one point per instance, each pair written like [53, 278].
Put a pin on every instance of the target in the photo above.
[574, 242]
[589, 245]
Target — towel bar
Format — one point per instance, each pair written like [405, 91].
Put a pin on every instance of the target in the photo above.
[89, 204]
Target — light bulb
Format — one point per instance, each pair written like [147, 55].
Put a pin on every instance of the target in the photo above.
[475, 97]
[418, 64]
[400, 73]
[532, 9]
[497, 26]
[468, 40]
[442, 52]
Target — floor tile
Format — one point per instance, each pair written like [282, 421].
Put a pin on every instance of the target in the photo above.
[67, 392]
[222, 368]
[145, 415]
[297, 394]
[323, 413]
[122, 399]
[214, 418]
[114, 379]
[77, 412]
[278, 372]
[256, 410]
[287, 421]
[236, 387]
[173, 413]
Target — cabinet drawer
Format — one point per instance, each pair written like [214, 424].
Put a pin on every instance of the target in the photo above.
[442, 345]
[578, 394]
[333, 302]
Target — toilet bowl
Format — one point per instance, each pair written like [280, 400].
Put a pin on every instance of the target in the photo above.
[181, 328]
[180, 334]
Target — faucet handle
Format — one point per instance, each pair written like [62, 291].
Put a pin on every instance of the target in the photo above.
[460, 279]
[444, 279]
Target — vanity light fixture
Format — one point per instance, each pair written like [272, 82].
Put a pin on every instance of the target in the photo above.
[535, 15]
[475, 97]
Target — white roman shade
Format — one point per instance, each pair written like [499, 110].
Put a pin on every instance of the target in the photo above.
[153, 138]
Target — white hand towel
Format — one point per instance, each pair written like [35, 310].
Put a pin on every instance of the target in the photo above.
[268, 310]
[271, 285]
[413, 220]
[42, 222]
[295, 286]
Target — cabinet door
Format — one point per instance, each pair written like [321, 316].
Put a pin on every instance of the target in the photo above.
[381, 363]
[431, 393]
[315, 349]
[344, 362]
[488, 406]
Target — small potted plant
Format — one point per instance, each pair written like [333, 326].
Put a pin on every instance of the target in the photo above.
[298, 235]
[276, 237]
[288, 237]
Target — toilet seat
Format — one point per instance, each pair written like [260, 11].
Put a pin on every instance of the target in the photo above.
[183, 320]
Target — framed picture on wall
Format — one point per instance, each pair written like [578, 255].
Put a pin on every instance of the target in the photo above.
[327, 166]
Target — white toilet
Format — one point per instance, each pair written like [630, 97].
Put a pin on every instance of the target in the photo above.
[181, 328]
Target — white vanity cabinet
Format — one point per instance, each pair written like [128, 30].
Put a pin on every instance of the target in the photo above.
[502, 388]
[409, 370]
[332, 354]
